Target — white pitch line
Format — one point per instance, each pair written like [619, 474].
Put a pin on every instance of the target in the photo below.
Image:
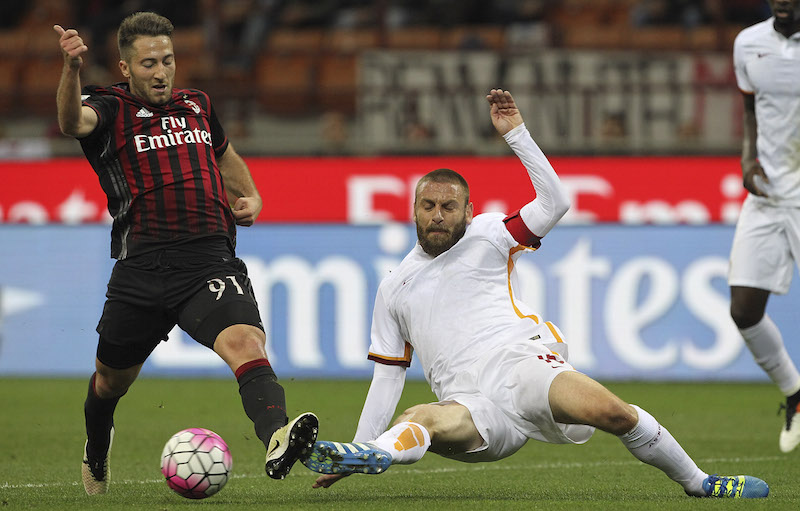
[576, 464]
[446, 470]
[113, 481]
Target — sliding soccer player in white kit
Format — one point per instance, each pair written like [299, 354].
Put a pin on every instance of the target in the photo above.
[499, 370]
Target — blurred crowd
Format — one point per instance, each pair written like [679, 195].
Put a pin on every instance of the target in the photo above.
[233, 16]
[311, 47]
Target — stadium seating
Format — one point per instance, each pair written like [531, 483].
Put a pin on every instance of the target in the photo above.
[194, 59]
[350, 40]
[338, 82]
[318, 65]
[285, 82]
[286, 40]
[490, 37]
[414, 38]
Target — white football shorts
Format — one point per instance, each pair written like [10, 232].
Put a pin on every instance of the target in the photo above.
[766, 247]
[509, 402]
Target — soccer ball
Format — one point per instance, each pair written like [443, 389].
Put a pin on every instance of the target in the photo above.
[196, 463]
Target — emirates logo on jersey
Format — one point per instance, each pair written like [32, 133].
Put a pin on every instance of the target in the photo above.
[175, 132]
[195, 108]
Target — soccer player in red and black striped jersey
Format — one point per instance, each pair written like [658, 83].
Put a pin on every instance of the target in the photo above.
[176, 190]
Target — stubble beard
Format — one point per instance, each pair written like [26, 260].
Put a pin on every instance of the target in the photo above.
[144, 91]
[434, 247]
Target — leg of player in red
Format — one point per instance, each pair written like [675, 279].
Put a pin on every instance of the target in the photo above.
[262, 397]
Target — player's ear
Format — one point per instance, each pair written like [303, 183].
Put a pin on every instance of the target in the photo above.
[469, 210]
[123, 66]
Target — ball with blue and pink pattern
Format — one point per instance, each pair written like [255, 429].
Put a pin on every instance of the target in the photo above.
[196, 463]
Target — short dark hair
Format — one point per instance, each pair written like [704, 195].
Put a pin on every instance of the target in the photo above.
[443, 176]
[141, 24]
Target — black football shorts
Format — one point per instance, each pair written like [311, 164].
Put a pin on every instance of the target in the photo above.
[151, 293]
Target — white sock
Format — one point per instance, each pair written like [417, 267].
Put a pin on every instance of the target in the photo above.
[651, 443]
[407, 442]
[766, 344]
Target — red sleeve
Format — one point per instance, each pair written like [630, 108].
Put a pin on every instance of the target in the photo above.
[520, 231]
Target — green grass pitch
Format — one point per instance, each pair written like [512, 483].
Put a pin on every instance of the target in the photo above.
[728, 428]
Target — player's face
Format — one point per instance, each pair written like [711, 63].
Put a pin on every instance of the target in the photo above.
[786, 12]
[151, 69]
[441, 213]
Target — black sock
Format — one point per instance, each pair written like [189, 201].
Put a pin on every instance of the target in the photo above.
[262, 397]
[99, 420]
[793, 400]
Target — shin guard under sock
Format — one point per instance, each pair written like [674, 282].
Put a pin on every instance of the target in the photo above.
[262, 397]
[99, 415]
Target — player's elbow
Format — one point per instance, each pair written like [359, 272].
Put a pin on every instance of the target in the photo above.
[78, 130]
[69, 132]
[562, 208]
[71, 128]
[77, 124]
[561, 205]
[67, 128]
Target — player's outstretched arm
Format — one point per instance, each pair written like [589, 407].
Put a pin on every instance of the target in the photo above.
[504, 112]
[552, 201]
[74, 119]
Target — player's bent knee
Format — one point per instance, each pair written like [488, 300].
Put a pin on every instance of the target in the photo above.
[449, 424]
[616, 418]
[417, 413]
[744, 317]
[110, 383]
[748, 306]
[239, 343]
[434, 416]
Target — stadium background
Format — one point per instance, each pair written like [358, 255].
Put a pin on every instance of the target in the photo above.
[338, 106]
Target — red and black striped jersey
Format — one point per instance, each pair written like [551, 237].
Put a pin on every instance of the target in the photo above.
[158, 168]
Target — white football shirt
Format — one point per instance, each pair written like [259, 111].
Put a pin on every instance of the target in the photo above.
[767, 64]
[454, 308]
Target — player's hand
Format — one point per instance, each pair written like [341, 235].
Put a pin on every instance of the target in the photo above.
[505, 114]
[72, 46]
[326, 480]
[751, 169]
[246, 210]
